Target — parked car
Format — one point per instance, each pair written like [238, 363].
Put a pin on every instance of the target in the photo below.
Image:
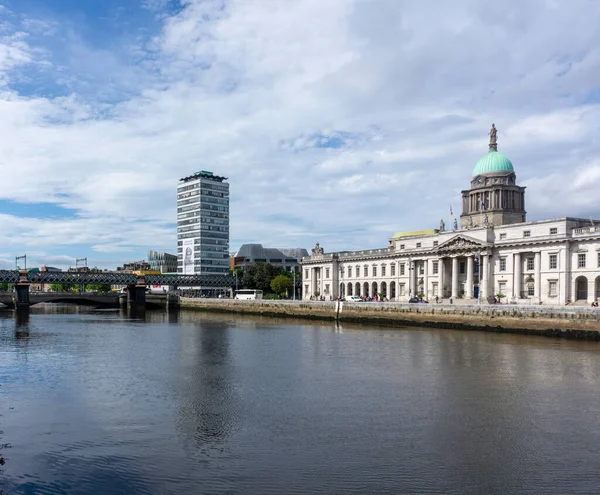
[417, 300]
[353, 299]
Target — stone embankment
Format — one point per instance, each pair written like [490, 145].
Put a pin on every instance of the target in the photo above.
[570, 322]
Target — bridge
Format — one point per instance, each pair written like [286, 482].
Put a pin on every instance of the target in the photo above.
[110, 299]
[136, 284]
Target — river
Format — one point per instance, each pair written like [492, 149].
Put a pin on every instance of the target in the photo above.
[99, 403]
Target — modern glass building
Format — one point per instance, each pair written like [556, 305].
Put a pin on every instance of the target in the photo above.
[162, 262]
[203, 224]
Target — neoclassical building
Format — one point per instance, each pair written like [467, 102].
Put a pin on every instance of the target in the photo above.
[494, 251]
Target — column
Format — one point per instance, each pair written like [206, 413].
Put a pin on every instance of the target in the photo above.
[441, 277]
[313, 281]
[537, 262]
[485, 270]
[426, 279]
[454, 277]
[517, 276]
[469, 286]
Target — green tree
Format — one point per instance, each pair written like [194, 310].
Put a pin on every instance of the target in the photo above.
[281, 285]
[98, 287]
[5, 287]
[61, 287]
[248, 278]
[264, 275]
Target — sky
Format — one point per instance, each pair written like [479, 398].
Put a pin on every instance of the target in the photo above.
[338, 122]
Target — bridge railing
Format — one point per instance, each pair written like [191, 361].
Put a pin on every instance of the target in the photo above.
[115, 278]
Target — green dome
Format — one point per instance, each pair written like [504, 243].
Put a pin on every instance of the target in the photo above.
[493, 162]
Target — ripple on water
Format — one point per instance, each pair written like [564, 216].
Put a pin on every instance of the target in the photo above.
[218, 404]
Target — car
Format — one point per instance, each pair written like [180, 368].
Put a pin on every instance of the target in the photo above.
[353, 299]
[418, 300]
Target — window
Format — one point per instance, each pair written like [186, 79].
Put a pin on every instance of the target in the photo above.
[502, 236]
[305, 273]
[383, 270]
[326, 288]
[435, 243]
[530, 290]
[530, 264]
[349, 272]
[326, 272]
[374, 271]
[393, 269]
[461, 267]
[553, 230]
[552, 288]
[402, 289]
[527, 233]
[502, 267]
[553, 261]
[402, 269]
[358, 272]
[366, 270]
[434, 288]
[435, 267]
[581, 260]
[306, 289]
[502, 288]
[418, 244]
[401, 246]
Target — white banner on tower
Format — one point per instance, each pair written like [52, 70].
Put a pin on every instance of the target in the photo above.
[188, 256]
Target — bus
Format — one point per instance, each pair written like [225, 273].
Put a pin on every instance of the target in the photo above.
[248, 294]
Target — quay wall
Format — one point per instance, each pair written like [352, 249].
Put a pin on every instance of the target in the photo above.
[572, 322]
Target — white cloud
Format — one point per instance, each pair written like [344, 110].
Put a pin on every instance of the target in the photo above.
[251, 89]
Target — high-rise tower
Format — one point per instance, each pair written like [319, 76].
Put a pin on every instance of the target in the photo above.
[494, 197]
[203, 224]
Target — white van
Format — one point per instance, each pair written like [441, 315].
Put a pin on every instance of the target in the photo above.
[353, 299]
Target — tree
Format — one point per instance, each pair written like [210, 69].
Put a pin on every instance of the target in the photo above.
[281, 285]
[6, 287]
[61, 287]
[98, 287]
[248, 278]
[263, 276]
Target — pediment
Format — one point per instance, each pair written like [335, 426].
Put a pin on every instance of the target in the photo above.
[461, 243]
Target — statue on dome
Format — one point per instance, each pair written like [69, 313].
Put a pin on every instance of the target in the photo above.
[442, 225]
[455, 224]
[493, 138]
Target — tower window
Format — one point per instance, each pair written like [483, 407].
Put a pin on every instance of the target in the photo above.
[527, 233]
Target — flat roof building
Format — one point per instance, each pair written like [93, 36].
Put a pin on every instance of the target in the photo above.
[203, 224]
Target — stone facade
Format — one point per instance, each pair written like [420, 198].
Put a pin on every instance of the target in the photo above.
[494, 252]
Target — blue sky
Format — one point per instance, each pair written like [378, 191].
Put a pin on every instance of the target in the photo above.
[340, 122]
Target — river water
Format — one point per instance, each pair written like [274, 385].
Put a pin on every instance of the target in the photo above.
[98, 403]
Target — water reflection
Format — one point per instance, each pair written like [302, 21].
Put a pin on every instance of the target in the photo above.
[208, 404]
[121, 402]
